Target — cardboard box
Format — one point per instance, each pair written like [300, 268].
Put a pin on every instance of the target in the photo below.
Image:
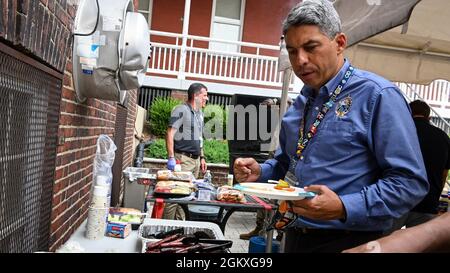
[118, 230]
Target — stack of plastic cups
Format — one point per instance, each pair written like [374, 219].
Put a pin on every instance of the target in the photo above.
[98, 209]
[104, 181]
[99, 197]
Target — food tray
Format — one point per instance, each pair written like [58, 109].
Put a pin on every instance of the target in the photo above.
[145, 241]
[141, 175]
[152, 226]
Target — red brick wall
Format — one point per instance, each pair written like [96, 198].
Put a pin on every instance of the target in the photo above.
[179, 95]
[42, 29]
[129, 150]
[80, 126]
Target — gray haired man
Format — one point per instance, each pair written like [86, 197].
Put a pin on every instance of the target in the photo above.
[349, 138]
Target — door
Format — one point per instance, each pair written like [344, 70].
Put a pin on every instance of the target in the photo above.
[227, 22]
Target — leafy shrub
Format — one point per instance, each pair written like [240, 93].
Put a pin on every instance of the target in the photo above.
[216, 151]
[157, 149]
[159, 113]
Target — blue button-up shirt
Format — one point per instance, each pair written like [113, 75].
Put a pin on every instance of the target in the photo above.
[370, 156]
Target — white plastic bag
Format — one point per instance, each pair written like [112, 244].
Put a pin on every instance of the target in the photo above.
[103, 161]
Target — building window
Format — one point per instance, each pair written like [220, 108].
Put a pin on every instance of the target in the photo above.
[145, 7]
[227, 22]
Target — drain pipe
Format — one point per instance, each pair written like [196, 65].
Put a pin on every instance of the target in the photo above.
[140, 150]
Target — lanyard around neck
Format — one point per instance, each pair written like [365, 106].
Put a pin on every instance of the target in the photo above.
[304, 140]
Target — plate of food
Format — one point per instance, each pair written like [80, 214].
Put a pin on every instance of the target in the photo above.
[173, 189]
[280, 191]
[126, 215]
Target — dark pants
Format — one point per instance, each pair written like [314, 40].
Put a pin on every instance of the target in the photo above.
[320, 241]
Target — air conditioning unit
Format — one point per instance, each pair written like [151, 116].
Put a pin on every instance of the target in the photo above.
[111, 49]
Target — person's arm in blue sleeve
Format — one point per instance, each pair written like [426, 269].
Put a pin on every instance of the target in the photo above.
[403, 182]
[276, 167]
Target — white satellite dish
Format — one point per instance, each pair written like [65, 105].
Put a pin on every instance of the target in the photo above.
[111, 49]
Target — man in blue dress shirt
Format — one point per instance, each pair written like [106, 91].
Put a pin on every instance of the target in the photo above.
[349, 137]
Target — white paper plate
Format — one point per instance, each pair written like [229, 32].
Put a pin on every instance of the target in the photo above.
[267, 190]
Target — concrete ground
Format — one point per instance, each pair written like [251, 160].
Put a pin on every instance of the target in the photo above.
[239, 222]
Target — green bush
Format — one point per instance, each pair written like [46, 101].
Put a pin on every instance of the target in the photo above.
[216, 151]
[159, 114]
[157, 149]
[213, 119]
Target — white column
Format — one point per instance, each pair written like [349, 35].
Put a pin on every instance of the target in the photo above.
[187, 11]
[287, 76]
[283, 65]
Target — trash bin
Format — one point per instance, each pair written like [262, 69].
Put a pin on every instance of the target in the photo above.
[242, 142]
[258, 245]
[134, 192]
[203, 213]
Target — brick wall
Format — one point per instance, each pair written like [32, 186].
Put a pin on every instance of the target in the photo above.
[80, 126]
[41, 29]
[129, 148]
[219, 173]
[179, 95]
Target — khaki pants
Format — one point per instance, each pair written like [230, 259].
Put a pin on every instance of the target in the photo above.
[189, 164]
[174, 211]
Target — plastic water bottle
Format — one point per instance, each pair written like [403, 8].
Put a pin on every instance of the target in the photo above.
[177, 166]
[230, 180]
[208, 178]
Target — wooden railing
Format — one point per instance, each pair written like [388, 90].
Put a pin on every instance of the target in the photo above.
[437, 95]
[253, 64]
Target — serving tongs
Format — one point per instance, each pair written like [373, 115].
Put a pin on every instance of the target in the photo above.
[203, 245]
[210, 245]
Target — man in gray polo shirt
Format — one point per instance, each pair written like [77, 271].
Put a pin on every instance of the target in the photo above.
[184, 139]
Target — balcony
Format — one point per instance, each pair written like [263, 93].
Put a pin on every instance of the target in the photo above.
[248, 68]
[252, 69]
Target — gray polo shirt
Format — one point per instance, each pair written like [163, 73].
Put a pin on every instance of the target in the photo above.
[189, 128]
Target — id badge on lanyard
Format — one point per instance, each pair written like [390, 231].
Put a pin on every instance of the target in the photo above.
[290, 175]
